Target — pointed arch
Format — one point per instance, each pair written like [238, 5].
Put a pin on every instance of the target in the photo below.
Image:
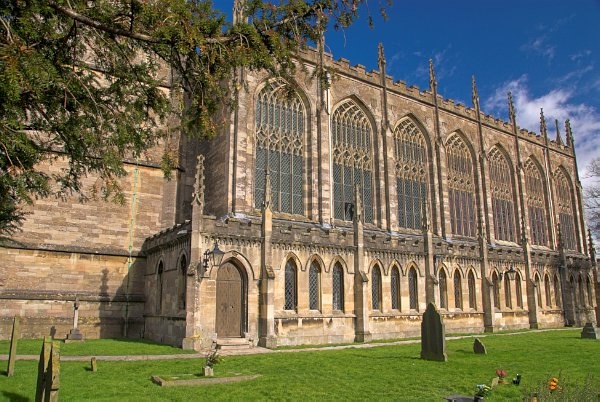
[507, 292]
[557, 298]
[535, 189]
[472, 291]
[159, 286]
[458, 297]
[411, 151]
[376, 299]
[395, 288]
[280, 124]
[443, 288]
[338, 287]
[182, 280]
[502, 191]
[353, 166]
[518, 290]
[496, 290]
[565, 205]
[461, 185]
[547, 290]
[314, 283]
[538, 290]
[291, 285]
[413, 289]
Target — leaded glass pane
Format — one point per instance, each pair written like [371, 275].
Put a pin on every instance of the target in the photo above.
[314, 287]
[534, 188]
[376, 289]
[367, 197]
[443, 290]
[338, 192]
[472, 294]
[279, 129]
[413, 289]
[519, 291]
[457, 291]
[290, 286]
[395, 289]
[338, 288]
[565, 207]
[461, 187]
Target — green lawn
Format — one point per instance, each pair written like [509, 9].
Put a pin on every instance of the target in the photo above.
[390, 372]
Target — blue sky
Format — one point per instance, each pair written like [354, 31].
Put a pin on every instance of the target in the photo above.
[546, 52]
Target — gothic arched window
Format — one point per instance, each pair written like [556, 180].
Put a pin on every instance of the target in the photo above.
[314, 286]
[557, 291]
[538, 290]
[507, 292]
[565, 210]
[376, 288]
[547, 290]
[461, 187]
[534, 187]
[338, 287]
[472, 294]
[182, 283]
[159, 287]
[501, 186]
[581, 292]
[443, 284]
[395, 288]
[291, 295]
[518, 290]
[411, 173]
[590, 295]
[496, 290]
[352, 161]
[280, 125]
[458, 303]
[413, 289]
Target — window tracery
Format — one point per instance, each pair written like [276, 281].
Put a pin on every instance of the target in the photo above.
[458, 303]
[413, 289]
[534, 187]
[501, 186]
[338, 287]
[395, 288]
[565, 210]
[314, 286]
[291, 295]
[280, 123]
[352, 161]
[376, 288]
[461, 187]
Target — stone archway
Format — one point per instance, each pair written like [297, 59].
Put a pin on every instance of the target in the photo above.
[230, 302]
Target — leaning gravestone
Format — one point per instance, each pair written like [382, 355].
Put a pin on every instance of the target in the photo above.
[16, 334]
[433, 335]
[48, 380]
[590, 331]
[479, 347]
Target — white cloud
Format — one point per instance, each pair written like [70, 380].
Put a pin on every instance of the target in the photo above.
[557, 104]
[539, 46]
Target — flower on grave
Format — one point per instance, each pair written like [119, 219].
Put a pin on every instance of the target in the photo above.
[553, 384]
[501, 373]
[482, 390]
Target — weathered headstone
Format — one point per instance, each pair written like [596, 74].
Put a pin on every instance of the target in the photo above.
[74, 334]
[53, 374]
[590, 331]
[42, 369]
[93, 364]
[12, 356]
[479, 347]
[433, 335]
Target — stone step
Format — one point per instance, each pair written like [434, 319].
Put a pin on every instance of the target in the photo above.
[233, 343]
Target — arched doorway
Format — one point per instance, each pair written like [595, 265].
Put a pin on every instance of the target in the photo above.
[231, 302]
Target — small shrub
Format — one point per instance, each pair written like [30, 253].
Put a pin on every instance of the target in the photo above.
[213, 358]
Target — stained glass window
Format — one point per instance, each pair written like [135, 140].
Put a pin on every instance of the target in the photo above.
[413, 289]
[458, 303]
[534, 187]
[352, 161]
[314, 286]
[443, 284]
[290, 286]
[547, 290]
[395, 288]
[182, 282]
[472, 294]
[411, 177]
[565, 210]
[376, 288]
[338, 287]
[461, 188]
[280, 126]
[501, 186]
[518, 290]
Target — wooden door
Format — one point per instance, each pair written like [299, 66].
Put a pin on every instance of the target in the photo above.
[229, 301]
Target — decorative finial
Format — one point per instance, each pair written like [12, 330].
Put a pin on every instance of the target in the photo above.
[511, 109]
[475, 94]
[381, 58]
[432, 81]
[238, 11]
[543, 129]
[569, 134]
[591, 247]
[558, 137]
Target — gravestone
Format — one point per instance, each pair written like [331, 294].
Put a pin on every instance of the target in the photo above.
[479, 347]
[93, 364]
[48, 381]
[590, 331]
[433, 335]
[74, 334]
[12, 356]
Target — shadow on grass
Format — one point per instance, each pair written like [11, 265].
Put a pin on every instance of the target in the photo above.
[11, 396]
[4, 373]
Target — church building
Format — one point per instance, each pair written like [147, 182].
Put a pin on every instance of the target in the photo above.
[324, 212]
